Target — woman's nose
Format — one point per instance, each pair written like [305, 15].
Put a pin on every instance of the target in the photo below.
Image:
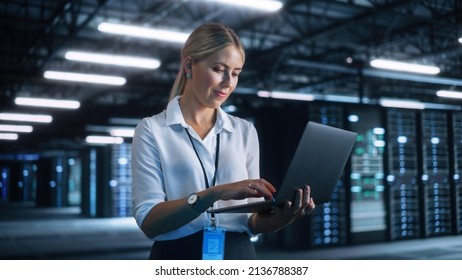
[226, 79]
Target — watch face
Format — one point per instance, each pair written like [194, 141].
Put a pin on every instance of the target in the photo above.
[192, 198]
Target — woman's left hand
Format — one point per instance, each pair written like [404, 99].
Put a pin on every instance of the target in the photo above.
[302, 205]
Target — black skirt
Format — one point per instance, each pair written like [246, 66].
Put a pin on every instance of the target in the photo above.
[237, 247]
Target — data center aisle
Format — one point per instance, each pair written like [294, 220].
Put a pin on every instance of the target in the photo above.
[27, 232]
[438, 248]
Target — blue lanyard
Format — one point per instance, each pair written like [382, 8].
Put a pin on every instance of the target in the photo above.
[217, 153]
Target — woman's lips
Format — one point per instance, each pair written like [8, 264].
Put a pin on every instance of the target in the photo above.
[221, 94]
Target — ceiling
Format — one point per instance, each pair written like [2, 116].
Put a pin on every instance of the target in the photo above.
[311, 46]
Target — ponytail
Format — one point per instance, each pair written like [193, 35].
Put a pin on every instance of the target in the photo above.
[178, 84]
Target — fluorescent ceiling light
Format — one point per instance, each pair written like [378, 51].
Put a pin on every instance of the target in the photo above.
[397, 103]
[438, 106]
[45, 102]
[460, 40]
[402, 66]
[16, 128]
[85, 78]
[118, 60]
[26, 117]
[341, 98]
[143, 32]
[8, 136]
[124, 121]
[264, 5]
[122, 132]
[449, 94]
[286, 95]
[104, 140]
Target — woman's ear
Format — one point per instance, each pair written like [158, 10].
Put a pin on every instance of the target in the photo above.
[187, 64]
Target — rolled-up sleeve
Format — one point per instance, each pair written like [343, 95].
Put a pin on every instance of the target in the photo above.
[146, 171]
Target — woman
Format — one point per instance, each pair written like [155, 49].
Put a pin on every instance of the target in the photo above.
[194, 156]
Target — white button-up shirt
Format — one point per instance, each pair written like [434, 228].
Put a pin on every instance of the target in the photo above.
[165, 166]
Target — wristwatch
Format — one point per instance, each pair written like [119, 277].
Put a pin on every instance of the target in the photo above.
[193, 200]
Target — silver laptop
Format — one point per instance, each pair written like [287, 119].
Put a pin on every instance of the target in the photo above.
[319, 161]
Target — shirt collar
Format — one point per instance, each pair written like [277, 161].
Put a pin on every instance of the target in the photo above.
[174, 116]
[173, 113]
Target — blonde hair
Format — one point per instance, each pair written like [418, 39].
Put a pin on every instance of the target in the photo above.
[201, 43]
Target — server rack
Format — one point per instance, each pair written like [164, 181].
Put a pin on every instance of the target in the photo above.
[329, 220]
[52, 174]
[96, 176]
[368, 219]
[121, 181]
[74, 195]
[16, 185]
[29, 180]
[44, 186]
[4, 184]
[106, 188]
[403, 172]
[457, 161]
[60, 180]
[435, 174]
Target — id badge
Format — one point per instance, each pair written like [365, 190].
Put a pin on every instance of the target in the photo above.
[213, 246]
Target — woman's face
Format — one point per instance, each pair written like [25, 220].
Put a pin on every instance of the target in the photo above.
[215, 78]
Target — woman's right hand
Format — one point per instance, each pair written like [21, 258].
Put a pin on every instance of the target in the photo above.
[245, 189]
[170, 215]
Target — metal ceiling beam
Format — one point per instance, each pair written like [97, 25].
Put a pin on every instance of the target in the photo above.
[377, 73]
[334, 27]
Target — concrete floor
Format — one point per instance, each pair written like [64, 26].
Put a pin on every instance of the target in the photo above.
[33, 233]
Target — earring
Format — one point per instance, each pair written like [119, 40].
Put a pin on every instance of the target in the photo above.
[188, 76]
